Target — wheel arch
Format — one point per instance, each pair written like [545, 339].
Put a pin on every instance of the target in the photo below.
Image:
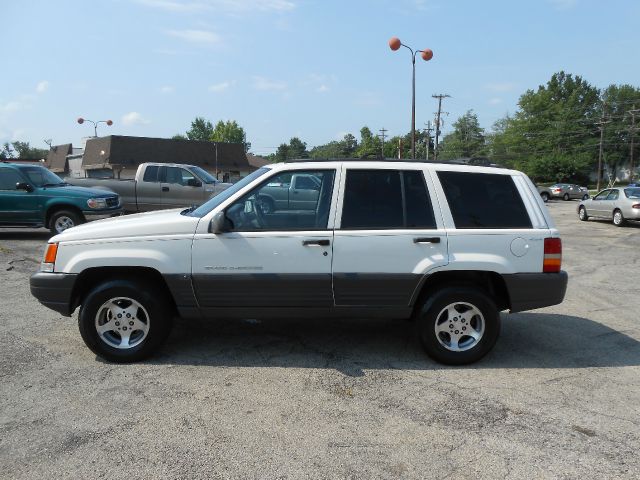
[56, 207]
[90, 277]
[489, 282]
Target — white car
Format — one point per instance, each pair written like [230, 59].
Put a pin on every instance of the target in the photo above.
[382, 239]
[616, 204]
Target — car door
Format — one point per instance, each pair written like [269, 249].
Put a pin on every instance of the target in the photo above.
[612, 202]
[17, 206]
[148, 191]
[181, 188]
[278, 259]
[599, 205]
[387, 237]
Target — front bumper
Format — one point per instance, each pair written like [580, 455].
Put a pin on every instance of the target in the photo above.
[54, 290]
[101, 214]
[528, 291]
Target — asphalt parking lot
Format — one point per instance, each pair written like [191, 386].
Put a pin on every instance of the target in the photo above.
[558, 397]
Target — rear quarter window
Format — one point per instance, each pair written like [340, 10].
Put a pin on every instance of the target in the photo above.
[484, 200]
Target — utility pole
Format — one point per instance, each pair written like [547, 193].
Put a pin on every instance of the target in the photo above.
[382, 136]
[632, 131]
[438, 124]
[427, 132]
[601, 125]
[400, 149]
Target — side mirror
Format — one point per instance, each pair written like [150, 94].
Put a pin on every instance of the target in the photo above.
[24, 186]
[192, 182]
[219, 223]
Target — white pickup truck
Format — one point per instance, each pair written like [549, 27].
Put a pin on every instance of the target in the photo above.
[159, 186]
[448, 246]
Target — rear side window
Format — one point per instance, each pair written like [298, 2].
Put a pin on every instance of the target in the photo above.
[150, 174]
[386, 199]
[484, 200]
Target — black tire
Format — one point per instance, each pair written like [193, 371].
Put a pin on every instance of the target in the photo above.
[566, 197]
[431, 315]
[156, 313]
[582, 214]
[64, 219]
[585, 196]
[618, 219]
[545, 197]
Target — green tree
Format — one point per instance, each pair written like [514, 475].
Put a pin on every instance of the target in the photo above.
[7, 151]
[467, 139]
[282, 154]
[22, 150]
[369, 144]
[230, 132]
[201, 129]
[297, 148]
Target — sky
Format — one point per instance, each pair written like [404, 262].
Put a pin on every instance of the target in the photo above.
[315, 69]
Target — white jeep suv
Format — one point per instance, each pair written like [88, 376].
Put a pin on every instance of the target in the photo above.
[448, 246]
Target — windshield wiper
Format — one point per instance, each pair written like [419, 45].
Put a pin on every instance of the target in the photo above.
[189, 210]
[62, 184]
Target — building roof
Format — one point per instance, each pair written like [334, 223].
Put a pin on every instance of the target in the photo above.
[57, 158]
[257, 161]
[129, 152]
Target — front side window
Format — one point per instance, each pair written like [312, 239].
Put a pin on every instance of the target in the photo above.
[613, 195]
[279, 203]
[484, 200]
[386, 199]
[9, 178]
[602, 195]
[41, 177]
[178, 176]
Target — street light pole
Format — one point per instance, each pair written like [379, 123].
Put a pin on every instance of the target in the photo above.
[426, 55]
[95, 124]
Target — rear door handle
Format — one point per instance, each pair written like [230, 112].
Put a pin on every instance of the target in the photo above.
[315, 243]
[165, 189]
[426, 240]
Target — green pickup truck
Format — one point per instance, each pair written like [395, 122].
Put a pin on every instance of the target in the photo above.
[32, 196]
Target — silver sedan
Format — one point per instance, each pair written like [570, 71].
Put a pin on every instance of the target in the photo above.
[617, 204]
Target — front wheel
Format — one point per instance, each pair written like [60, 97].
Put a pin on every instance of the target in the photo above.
[565, 197]
[545, 197]
[458, 325]
[124, 321]
[582, 214]
[585, 196]
[62, 220]
[618, 218]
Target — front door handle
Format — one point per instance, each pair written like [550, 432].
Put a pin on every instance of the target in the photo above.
[165, 189]
[315, 243]
[426, 240]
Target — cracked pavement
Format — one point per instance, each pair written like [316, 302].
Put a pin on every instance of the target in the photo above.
[558, 397]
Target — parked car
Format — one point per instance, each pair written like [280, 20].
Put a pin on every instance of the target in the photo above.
[569, 191]
[617, 204]
[447, 246]
[296, 192]
[32, 196]
[545, 193]
[158, 186]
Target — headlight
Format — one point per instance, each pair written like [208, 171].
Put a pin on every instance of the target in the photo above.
[97, 203]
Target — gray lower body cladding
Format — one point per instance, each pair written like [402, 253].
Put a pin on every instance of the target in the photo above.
[528, 291]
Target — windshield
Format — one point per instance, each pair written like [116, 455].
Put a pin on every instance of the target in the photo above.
[632, 192]
[205, 208]
[205, 176]
[41, 177]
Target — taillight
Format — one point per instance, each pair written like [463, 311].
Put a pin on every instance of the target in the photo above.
[552, 255]
[49, 261]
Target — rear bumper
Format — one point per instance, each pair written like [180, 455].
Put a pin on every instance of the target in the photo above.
[528, 291]
[54, 290]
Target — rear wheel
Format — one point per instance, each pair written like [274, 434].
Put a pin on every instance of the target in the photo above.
[618, 218]
[124, 321]
[64, 219]
[582, 214]
[545, 197]
[458, 325]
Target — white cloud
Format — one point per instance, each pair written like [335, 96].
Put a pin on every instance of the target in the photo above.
[202, 37]
[220, 87]
[42, 86]
[12, 106]
[563, 4]
[167, 89]
[221, 6]
[262, 83]
[133, 118]
[495, 101]
[500, 86]
[322, 89]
